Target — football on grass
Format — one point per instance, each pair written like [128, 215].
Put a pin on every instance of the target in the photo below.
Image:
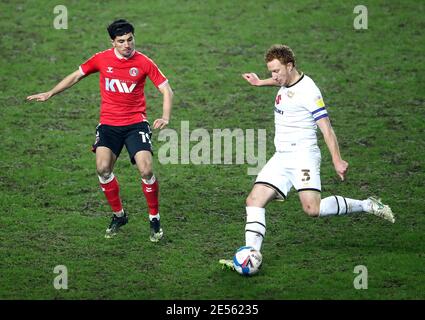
[247, 261]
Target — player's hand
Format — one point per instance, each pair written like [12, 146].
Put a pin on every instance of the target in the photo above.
[40, 96]
[252, 78]
[160, 123]
[341, 168]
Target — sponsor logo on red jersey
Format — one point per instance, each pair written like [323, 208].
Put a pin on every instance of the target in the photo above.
[115, 84]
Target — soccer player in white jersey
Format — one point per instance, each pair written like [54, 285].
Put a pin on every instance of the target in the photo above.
[299, 109]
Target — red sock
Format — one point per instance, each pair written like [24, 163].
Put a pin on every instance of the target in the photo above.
[112, 193]
[151, 192]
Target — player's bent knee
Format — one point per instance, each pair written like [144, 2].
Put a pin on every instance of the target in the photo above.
[104, 172]
[144, 165]
[311, 211]
[253, 201]
[145, 169]
[250, 201]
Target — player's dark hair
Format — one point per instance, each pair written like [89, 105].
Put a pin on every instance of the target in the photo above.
[281, 52]
[119, 28]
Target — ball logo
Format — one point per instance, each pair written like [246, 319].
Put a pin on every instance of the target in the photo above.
[134, 72]
[247, 263]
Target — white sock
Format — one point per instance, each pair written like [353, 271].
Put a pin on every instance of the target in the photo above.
[337, 205]
[151, 216]
[255, 228]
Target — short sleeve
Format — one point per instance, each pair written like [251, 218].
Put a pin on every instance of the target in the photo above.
[316, 105]
[90, 66]
[156, 76]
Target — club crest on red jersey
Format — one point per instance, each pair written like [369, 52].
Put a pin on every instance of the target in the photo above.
[134, 72]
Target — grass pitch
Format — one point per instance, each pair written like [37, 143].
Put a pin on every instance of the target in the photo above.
[53, 212]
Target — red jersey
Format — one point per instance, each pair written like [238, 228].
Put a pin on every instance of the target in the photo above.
[122, 82]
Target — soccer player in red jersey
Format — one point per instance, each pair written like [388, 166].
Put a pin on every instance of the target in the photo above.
[123, 121]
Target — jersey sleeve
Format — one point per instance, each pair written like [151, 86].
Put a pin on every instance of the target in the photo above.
[90, 66]
[156, 76]
[316, 105]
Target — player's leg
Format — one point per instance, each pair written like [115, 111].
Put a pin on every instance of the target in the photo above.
[310, 201]
[305, 174]
[306, 177]
[105, 160]
[272, 183]
[255, 227]
[139, 146]
[338, 205]
[150, 189]
[107, 147]
[314, 206]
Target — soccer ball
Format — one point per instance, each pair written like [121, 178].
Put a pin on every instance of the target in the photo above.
[247, 261]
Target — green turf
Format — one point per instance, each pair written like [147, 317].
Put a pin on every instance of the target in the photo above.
[53, 212]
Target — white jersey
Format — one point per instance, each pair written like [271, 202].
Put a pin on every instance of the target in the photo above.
[297, 108]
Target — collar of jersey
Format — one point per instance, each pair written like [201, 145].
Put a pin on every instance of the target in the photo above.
[119, 56]
[302, 76]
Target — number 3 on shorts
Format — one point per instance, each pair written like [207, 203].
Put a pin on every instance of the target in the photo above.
[306, 174]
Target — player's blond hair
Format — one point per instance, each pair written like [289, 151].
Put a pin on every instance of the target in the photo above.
[281, 52]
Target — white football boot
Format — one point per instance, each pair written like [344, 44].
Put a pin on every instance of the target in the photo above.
[381, 210]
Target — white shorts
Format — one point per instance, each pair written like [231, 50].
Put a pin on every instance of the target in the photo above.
[300, 169]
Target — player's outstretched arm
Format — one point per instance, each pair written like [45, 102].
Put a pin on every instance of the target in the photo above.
[254, 80]
[167, 105]
[340, 165]
[66, 83]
